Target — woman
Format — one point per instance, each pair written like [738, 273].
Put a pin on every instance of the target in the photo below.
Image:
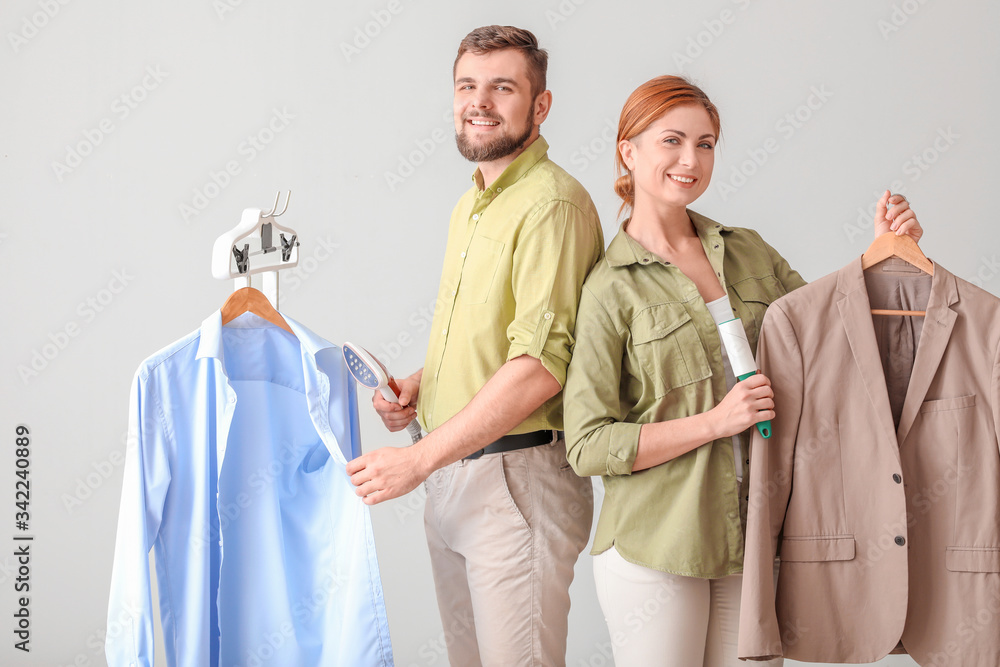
[650, 401]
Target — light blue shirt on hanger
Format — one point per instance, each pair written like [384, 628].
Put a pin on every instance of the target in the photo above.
[235, 474]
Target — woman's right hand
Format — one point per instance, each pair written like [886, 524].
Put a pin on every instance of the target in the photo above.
[749, 402]
[396, 416]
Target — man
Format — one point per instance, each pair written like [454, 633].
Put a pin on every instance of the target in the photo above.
[506, 517]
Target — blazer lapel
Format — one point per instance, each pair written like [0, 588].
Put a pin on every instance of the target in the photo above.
[855, 311]
[938, 325]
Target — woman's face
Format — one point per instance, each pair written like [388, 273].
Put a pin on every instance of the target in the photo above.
[672, 160]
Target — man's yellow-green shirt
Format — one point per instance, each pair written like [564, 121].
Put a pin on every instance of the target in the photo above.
[517, 255]
[648, 350]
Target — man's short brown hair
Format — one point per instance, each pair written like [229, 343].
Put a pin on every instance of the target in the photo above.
[491, 38]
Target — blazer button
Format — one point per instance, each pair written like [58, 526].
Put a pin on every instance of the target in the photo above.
[900, 540]
[896, 478]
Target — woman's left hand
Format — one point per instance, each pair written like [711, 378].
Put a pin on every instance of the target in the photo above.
[899, 219]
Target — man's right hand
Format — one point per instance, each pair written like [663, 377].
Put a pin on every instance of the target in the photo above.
[396, 416]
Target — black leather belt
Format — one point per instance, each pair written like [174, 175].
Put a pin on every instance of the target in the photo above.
[509, 443]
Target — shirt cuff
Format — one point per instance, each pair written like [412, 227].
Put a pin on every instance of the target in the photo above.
[623, 447]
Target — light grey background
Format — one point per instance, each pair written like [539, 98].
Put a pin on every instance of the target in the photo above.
[101, 266]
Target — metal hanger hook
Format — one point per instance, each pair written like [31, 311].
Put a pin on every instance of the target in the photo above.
[277, 197]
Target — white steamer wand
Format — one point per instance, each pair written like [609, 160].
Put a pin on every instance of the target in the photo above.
[371, 374]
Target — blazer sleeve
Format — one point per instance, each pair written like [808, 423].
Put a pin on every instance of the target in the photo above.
[771, 461]
[995, 382]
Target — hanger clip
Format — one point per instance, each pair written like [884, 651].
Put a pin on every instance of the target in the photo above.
[242, 258]
[287, 246]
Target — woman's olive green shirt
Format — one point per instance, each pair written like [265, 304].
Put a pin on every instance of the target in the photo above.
[648, 350]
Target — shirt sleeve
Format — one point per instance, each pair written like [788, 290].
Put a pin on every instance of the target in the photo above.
[771, 465]
[553, 255]
[129, 640]
[789, 277]
[598, 442]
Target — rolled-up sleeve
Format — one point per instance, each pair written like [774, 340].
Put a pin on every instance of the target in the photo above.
[553, 256]
[598, 442]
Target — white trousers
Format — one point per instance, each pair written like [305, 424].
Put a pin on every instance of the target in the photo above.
[666, 620]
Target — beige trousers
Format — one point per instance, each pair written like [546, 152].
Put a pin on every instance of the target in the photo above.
[504, 533]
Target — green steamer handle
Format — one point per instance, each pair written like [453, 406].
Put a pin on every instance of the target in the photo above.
[765, 426]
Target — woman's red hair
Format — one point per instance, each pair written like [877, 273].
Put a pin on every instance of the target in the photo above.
[647, 103]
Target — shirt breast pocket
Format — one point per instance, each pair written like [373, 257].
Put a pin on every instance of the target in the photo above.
[668, 347]
[755, 294]
[481, 263]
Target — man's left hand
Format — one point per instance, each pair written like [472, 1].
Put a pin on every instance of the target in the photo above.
[386, 473]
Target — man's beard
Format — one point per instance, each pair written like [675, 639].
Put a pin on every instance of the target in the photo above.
[499, 147]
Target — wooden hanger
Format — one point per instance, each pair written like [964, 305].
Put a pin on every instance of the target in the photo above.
[904, 247]
[251, 300]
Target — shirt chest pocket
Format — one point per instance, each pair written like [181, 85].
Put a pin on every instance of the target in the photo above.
[479, 271]
[668, 348]
[753, 296]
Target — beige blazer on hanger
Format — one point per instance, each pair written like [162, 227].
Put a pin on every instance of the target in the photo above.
[880, 487]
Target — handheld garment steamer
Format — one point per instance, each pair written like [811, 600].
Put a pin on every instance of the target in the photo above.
[734, 337]
[371, 374]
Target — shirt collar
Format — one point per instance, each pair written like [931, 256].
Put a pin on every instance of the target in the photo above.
[625, 250]
[210, 344]
[523, 163]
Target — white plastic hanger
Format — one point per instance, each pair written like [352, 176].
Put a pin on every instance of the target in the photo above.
[249, 248]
